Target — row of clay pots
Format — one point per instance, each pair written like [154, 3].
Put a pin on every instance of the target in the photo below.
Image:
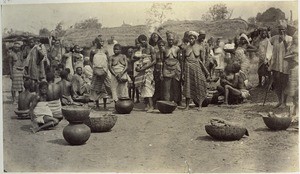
[80, 126]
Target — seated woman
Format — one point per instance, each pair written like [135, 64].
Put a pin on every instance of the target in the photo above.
[24, 101]
[235, 91]
[40, 113]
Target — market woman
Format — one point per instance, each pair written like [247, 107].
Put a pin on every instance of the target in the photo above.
[195, 72]
[155, 38]
[145, 80]
[16, 65]
[172, 71]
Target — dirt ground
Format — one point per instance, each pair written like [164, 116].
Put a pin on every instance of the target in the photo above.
[154, 142]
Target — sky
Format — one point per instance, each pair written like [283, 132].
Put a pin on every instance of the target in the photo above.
[32, 17]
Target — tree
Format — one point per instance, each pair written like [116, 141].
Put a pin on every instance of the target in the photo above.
[88, 23]
[252, 20]
[206, 17]
[270, 15]
[158, 14]
[59, 31]
[44, 32]
[217, 12]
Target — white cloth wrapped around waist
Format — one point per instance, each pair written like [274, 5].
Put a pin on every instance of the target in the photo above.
[42, 109]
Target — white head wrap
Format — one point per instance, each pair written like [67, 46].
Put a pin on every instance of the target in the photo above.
[245, 37]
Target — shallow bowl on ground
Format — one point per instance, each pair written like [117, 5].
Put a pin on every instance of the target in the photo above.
[228, 133]
[82, 99]
[22, 114]
[101, 123]
[166, 107]
[76, 113]
[277, 123]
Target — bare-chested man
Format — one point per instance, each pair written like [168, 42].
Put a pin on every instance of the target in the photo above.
[24, 101]
[54, 96]
[40, 113]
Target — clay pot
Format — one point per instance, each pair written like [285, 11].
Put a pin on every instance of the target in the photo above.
[277, 123]
[225, 133]
[75, 114]
[124, 106]
[166, 107]
[76, 134]
[102, 123]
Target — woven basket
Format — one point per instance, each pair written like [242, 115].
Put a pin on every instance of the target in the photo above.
[228, 133]
[277, 123]
[101, 123]
[166, 107]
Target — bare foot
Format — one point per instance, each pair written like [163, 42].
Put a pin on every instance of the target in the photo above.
[96, 108]
[35, 127]
[151, 109]
[276, 106]
[199, 109]
[186, 108]
[105, 109]
[34, 130]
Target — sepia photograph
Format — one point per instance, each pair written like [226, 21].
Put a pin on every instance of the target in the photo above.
[150, 87]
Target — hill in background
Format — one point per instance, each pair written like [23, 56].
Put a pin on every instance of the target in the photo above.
[126, 35]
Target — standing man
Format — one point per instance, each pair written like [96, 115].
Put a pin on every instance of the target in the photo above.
[279, 67]
[36, 62]
[264, 54]
[55, 56]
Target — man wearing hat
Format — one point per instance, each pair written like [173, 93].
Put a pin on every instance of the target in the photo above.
[278, 66]
[16, 66]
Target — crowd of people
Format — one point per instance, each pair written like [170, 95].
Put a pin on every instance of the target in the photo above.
[154, 69]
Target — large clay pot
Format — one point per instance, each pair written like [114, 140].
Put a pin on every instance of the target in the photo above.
[124, 106]
[76, 134]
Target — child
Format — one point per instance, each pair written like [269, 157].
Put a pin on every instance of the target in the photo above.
[40, 113]
[87, 70]
[24, 100]
[118, 68]
[66, 89]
